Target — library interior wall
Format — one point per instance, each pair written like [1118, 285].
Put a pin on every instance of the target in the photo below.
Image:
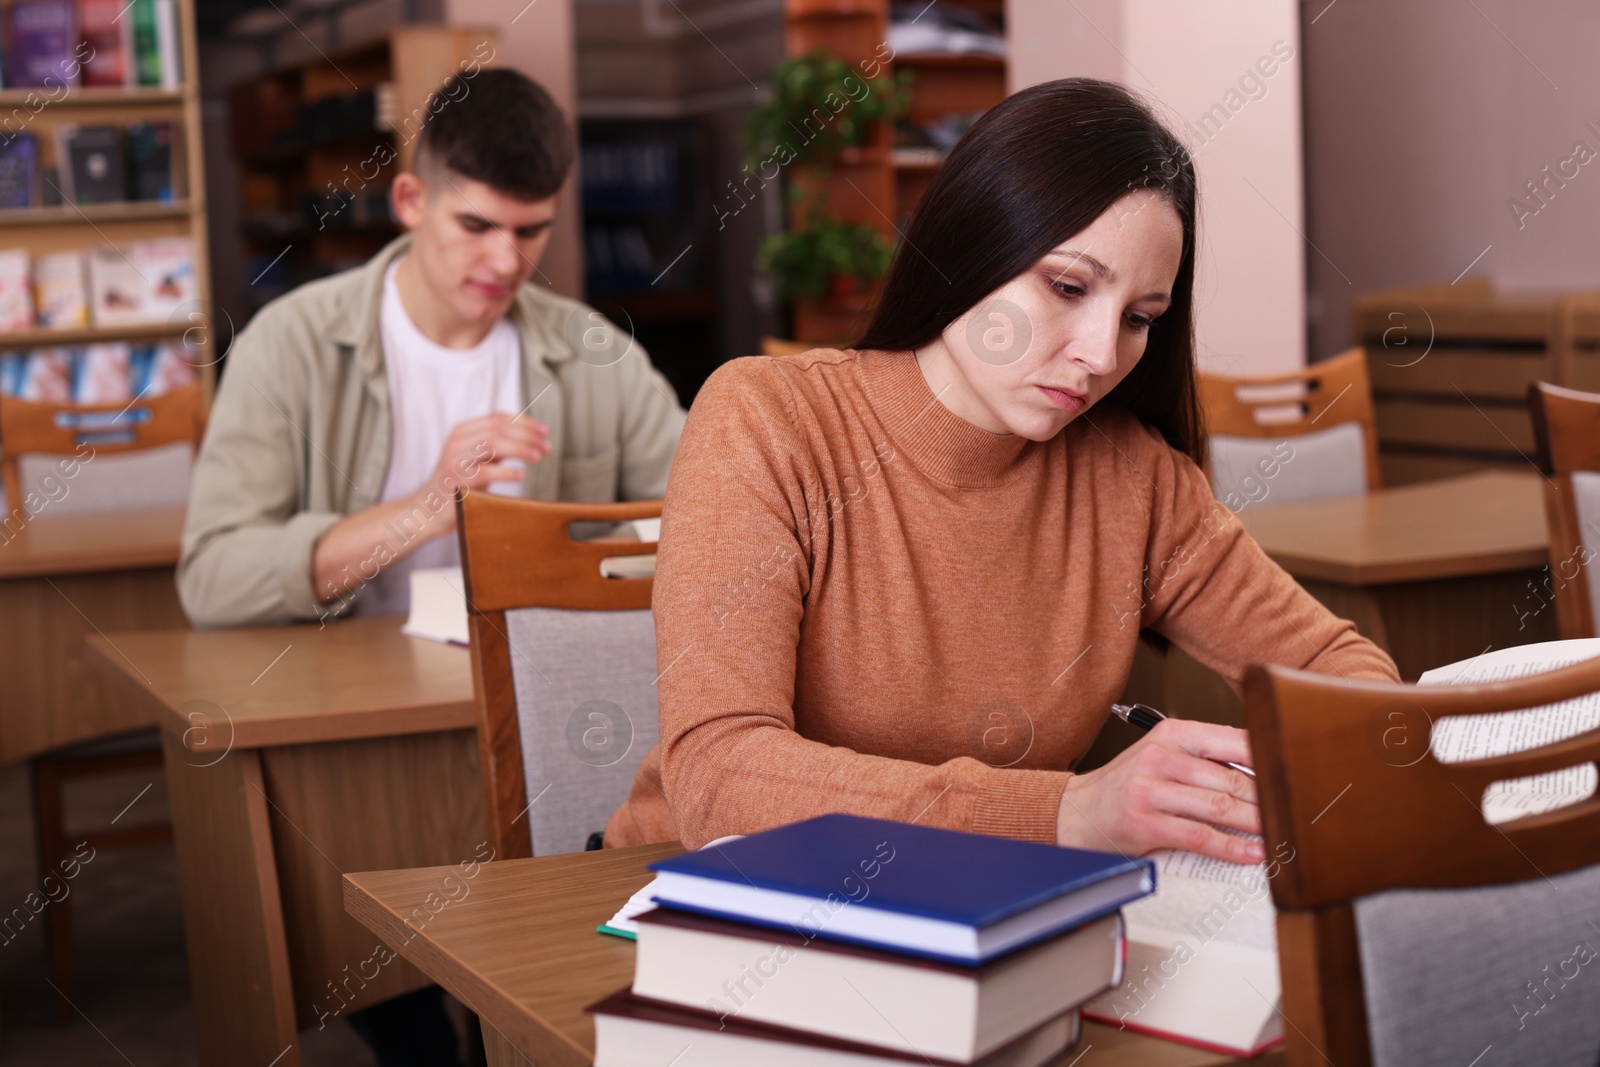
[1423, 120]
[1186, 59]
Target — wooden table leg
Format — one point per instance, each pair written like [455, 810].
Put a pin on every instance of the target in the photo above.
[233, 917]
[499, 1051]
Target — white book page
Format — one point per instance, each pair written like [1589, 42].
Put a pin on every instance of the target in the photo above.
[642, 901]
[1206, 900]
[1481, 736]
[1202, 954]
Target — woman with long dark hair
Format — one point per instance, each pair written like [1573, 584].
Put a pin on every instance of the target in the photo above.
[906, 580]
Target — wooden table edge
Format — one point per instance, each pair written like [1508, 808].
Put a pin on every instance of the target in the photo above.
[152, 558]
[359, 725]
[1319, 569]
[493, 1005]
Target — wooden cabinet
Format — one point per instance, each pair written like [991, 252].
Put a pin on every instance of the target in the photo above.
[1451, 366]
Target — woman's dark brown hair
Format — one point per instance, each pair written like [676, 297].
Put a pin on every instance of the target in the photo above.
[1036, 169]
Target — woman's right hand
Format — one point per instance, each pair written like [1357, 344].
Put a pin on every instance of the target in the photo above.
[1167, 791]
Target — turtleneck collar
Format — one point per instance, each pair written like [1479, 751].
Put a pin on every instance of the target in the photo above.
[940, 443]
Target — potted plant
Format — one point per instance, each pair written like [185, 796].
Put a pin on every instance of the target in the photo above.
[827, 258]
[820, 105]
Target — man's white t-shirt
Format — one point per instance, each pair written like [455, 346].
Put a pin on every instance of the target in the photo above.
[432, 389]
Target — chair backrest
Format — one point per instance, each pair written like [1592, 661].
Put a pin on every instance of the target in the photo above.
[1566, 428]
[28, 428]
[1409, 927]
[563, 667]
[1324, 415]
[777, 346]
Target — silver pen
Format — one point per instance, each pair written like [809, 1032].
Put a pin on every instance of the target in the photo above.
[1144, 717]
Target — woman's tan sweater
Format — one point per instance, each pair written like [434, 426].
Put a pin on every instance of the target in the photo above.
[866, 604]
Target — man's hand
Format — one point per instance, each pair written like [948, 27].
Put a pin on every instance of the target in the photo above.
[475, 454]
[1167, 791]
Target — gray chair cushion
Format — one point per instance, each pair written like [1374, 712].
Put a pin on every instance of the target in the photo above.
[586, 704]
[1586, 492]
[1513, 969]
[1325, 463]
[109, 481]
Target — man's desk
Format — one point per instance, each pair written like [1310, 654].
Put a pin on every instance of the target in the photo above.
[294, 754]
[515, 941]
[62, 577]
[1434, 572]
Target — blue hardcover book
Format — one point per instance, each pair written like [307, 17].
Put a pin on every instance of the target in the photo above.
[940, 894]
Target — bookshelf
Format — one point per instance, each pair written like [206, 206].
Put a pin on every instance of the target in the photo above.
[878, 183]
[318, 143]
[42, 230]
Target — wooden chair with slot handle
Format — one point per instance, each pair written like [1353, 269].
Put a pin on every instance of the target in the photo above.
[563, 667]
[1324, 412]
[29, 428]
[1566, 428]
[1410, 929]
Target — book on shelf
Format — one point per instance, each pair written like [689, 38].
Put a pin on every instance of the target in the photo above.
[19, 171]
[102, 28]
[116, 288]
[156, 45]
[885, 1000]
[102, 374]
[150, 161]
[91, 162]
[43, 376]
[60, 296]
[148, 282]
[113, 373]
[166, 264]
[16, 290]
[168, 45]
[1202, 963]
[887, 885]
[630, 1031]
[154, 370]
[42, 42]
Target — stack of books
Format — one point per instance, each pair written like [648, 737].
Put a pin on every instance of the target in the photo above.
[854, 942]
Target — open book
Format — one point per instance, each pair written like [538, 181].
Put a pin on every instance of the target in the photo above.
[1202, 956]
[1202, 952]
[1480, 736]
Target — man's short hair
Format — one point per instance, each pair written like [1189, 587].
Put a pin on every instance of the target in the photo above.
[498, 127]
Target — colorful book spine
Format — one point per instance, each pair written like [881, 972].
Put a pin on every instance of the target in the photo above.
[146, 42]
[16, 292]
[42, 44]
[99, 26]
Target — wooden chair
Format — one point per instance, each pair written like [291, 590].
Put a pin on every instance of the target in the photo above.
[28, 428]
[1348, 782]
[1324, 413]
[563, 667]
[776, 346]
[1566, 428]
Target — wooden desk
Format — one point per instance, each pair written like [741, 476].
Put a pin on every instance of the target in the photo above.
[1434, 572]
[293, 754]
[519, 947]
[62, 577]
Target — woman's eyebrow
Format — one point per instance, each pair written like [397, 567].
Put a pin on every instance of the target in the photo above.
[1097, 268]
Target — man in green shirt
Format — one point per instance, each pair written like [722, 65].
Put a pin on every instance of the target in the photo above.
[352, 408]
